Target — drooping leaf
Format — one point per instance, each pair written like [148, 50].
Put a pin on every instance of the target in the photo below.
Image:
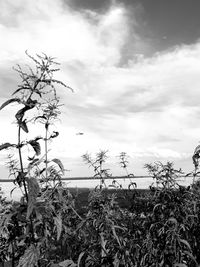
[59, 163]
[19, 89]
[115, 235]
[36, 146]
[28, 105]
[80, 258]
[190, 256]
[134, 185]
[9, 101]
[6, 145]
[185, 242]
[20, 114]
[24, 126]
[12, 191]
[54, 134]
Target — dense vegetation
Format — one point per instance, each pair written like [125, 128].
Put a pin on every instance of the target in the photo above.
[46, 228]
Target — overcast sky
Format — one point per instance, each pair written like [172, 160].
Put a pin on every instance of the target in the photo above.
[134, 67]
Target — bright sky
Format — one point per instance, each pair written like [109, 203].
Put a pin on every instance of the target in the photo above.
[135, 69]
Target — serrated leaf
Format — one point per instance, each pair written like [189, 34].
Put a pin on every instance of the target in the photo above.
[30, 257]
[59, 163]
[5, 146]
[9, 101]
[36, 146]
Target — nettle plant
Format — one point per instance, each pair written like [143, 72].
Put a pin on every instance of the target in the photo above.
[170, 226]
[31, 228]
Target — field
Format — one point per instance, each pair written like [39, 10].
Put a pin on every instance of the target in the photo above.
[53, 226]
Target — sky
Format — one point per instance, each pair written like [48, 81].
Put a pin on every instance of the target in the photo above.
[134, 66]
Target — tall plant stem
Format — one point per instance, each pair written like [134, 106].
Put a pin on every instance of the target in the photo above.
[24, 183]
[46, 147]
[21, 162]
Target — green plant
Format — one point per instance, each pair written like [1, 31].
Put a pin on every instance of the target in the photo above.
[169, 225]
[97, 164]
[32, 227]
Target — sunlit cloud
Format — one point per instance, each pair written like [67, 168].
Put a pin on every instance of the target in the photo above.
[148, 107]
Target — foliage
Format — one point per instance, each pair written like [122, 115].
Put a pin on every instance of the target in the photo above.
[160, 228]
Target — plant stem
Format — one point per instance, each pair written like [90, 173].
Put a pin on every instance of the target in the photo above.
[46, 147]
[24, 183]
[21, 161]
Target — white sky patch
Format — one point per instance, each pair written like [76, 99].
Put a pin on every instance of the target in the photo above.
[148, 107]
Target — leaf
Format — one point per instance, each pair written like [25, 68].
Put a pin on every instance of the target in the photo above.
[20, 178]
[188, 174]
[36, 146]
[180, 265]
[80, 258]
[54, 134]
[197, 150]
[103, 246]
[191, 256]
[12, 100]
[32, 163]
[134, 185]
[67, 263]
[20, 114]
[59, 163]
[19, 89]
[30, 257]
[173, 221]
[33, 191]
[185, 242]
[6, 145]
[24, 126]
[115, 234]
[58, 224]
[30, 104]
[12, 191]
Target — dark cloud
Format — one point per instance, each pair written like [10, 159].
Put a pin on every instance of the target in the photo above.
[94, 5]
[169, 23]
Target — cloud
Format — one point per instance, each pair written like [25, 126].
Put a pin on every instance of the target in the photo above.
[121, 102]
[54, 28]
